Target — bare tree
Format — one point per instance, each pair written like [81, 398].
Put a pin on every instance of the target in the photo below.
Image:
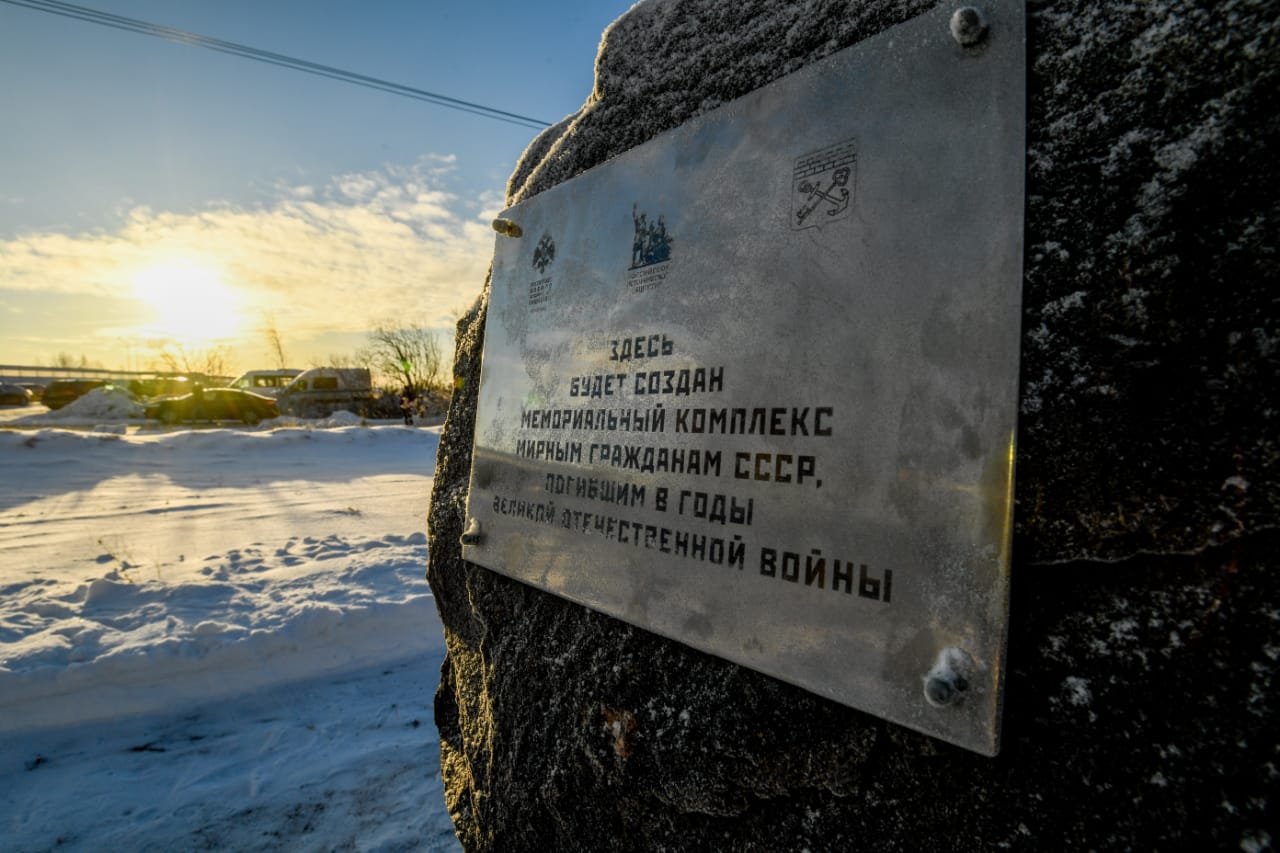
[275, 347]
[343, 359]
[208, 362]
[408, 354]
[68, 361]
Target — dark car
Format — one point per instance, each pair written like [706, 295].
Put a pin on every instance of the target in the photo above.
[60, 392]
[166, 386]
[14, 395]
[215, 404]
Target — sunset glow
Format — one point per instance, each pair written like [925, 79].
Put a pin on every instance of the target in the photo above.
[159, 200]
[188, 302]
[324, 261]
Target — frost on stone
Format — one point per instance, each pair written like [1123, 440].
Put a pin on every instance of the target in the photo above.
[1077, 690]
[1255, 842]
[660, 65]
[1147, 274]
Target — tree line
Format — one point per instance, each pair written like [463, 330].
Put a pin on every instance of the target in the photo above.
[397, 355]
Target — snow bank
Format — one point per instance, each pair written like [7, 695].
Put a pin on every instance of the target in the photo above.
[104, 404]
[112, 405]
[116, 646]
[340, 418]
[237, 449]
[150, 571]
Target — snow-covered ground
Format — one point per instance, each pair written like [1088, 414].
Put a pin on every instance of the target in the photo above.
[216, 638]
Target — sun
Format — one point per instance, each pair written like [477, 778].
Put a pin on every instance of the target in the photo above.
[188, 302]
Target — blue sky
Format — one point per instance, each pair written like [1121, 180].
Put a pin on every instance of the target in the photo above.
[139, 176]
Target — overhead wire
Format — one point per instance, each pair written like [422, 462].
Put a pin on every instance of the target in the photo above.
[134, 25]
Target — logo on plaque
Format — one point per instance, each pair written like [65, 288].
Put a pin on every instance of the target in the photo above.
[652, 243]
[650, 252]
[544, 254]
[822, 185]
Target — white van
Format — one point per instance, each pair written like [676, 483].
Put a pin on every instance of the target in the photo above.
[268, 383]
[321, 391]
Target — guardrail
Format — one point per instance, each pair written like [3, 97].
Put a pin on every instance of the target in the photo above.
[45, 375]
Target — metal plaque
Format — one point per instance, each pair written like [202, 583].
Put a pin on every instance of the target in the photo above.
[753, 385]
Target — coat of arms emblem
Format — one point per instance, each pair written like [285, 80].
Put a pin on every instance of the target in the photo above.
[822, 185]
[544, 253]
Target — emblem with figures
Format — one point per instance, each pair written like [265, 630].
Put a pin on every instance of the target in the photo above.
[652, 243]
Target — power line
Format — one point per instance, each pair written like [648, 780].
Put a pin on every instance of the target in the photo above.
[119, 22]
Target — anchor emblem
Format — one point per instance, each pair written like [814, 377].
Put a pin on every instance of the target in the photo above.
[823, 184]
[837, 195]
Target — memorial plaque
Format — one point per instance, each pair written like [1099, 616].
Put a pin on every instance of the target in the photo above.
[753, 385]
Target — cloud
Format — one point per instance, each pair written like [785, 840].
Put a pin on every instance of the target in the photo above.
[397, 242]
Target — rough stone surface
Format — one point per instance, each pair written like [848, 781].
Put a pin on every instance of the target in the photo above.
[1143, 634]
[1150, 417]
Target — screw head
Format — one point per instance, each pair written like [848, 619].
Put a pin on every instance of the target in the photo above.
[507, 228]
[941, 691]
[938, 691]
[947, 680]
[968, 26]
[471, 535]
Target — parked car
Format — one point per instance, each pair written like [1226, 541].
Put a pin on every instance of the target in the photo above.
[268, 383]
[218, 404]
[14, 395]
[161, 386]
[60, 392]
[321, 391]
